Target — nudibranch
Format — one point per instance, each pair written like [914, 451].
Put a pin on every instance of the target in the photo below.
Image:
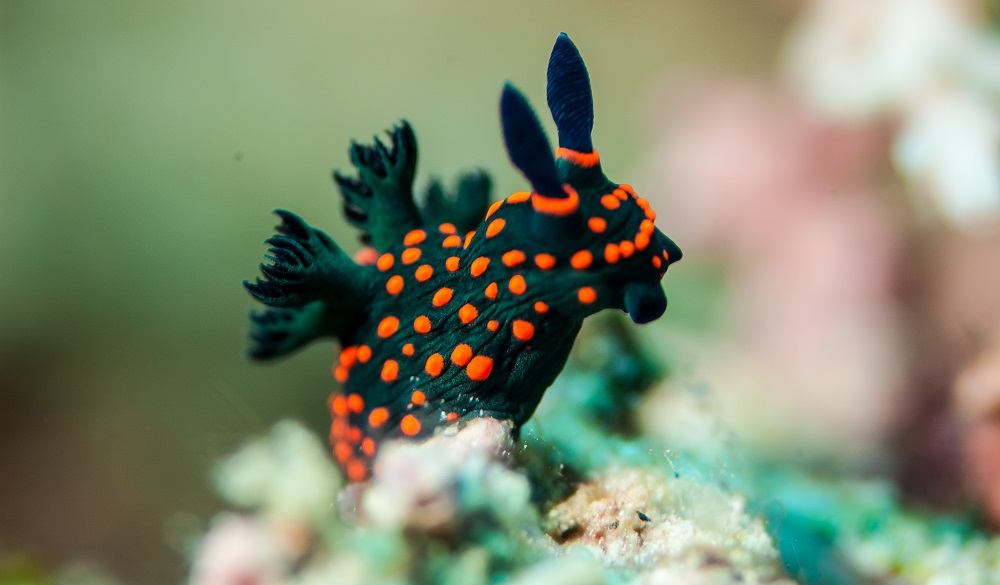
[469, 310]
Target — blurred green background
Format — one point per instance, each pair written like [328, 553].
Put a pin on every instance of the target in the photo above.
[142, 146]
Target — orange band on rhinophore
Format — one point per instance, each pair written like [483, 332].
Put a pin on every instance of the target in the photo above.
[580, 159]
[556, 206]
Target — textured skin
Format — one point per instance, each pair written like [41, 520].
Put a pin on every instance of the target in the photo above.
[448, 325]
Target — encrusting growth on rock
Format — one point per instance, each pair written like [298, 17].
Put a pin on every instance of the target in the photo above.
[472, 307]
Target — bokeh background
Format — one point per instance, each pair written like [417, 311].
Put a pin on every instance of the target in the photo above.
[142, 146]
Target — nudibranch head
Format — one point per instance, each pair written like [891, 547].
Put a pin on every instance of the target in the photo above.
[598, 238]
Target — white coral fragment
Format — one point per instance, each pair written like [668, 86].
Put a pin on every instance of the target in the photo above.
[288, 475]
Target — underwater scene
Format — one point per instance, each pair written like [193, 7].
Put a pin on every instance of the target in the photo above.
[538, 293]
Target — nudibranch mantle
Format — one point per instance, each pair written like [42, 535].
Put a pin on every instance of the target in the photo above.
[461, 316]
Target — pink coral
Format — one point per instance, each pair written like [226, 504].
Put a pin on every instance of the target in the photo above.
[794, 209]
[240, 550]
[977, 399]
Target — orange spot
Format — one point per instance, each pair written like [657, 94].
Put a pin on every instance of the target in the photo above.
[580, 159]
[646, 227]
[621, 194]
[519, 197]
[493, 325]
[523, 330]
[541, 307]
[366, 256]
[581, 260]
[434, 365]
[479, 265]
[340, 374]
[627, 188]
[418, 397]
[424, 273]
[364, 354]
[495, 227]
[627, 248]
[354, 434]
[447, 228]
[339, 406]
[467, 313]
[556, 205]
[650, 214]
[338, 428]
[512, 258]
[355, 403]
[666, 256]
[348, 355]
[468, 239]
[491, 290]
[422, 324]
[586, 295]
[408, 349]
[479, 368]
[452, 242]
[597, 224]
[442, 297]
[390, 369]
[642, 203]
[451, 264]
[385, 262]
[610, 201]
[517, 284]
[451, 416]
[641, 241]
[493, 209]
[409, 425]
[394, 285]
[545, 261]
[388, 326]
[657, 262]
[378, 417]
[461, 355]
[356, 470]
[612, 253]
[415, 237]
[368, 447]
[343, 451]
[410, 255]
